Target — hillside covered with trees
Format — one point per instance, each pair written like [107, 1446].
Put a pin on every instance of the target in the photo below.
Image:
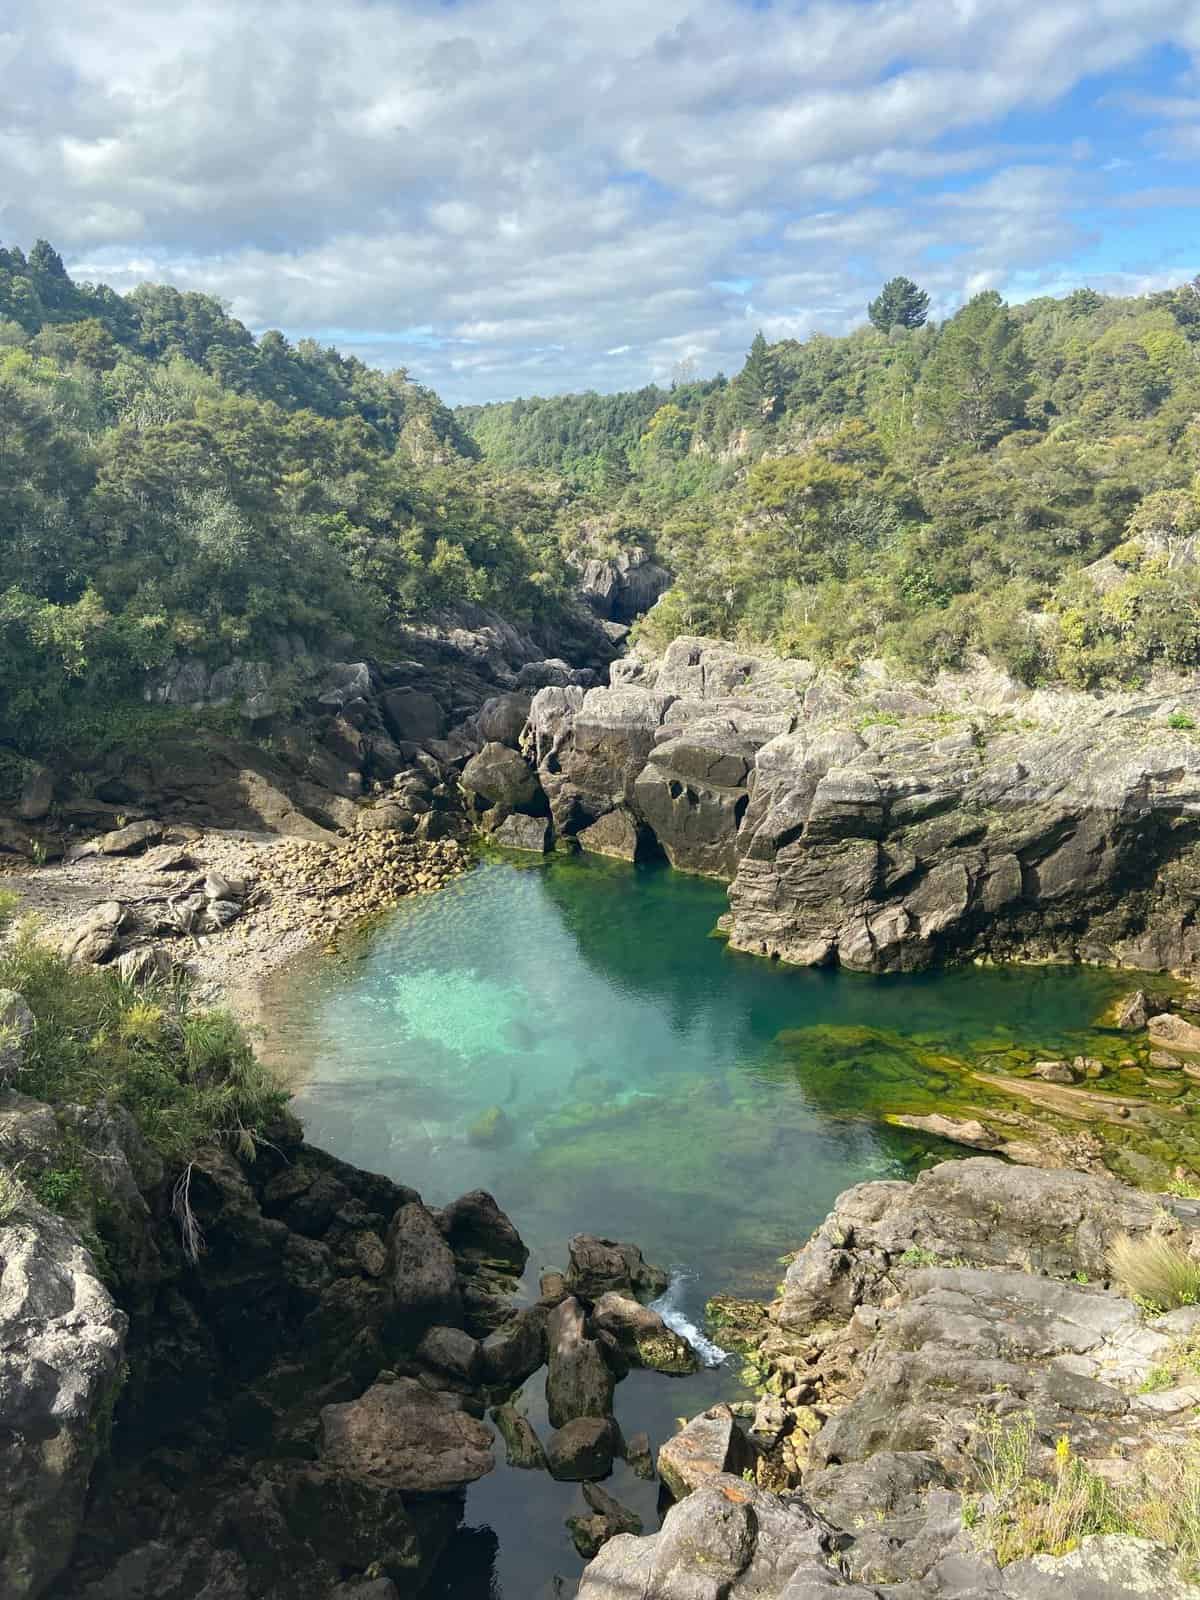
[917, 491]
[170, 484]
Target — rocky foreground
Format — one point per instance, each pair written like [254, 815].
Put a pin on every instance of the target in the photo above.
[925, 1328]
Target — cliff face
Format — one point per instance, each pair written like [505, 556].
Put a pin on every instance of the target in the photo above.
[886, 826]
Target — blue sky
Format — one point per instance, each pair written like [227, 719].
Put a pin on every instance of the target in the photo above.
[533, 197]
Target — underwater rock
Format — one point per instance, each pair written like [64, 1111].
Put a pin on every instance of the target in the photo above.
[711, 1443]
[639, 1456]
[600, 1265]
[608, 1518]
[491, 1128]
[642, 1336]
[584, 1448]
[579, 1382]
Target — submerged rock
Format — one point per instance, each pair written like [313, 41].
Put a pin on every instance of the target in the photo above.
[522, 1446]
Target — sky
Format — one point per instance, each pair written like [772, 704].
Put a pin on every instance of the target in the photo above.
[557, 195]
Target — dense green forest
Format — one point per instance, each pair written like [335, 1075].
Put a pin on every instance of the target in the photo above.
[916, 491]
[170, 484]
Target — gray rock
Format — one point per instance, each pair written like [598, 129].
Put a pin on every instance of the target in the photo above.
[37, 794]
[615, 834]
[412, 717]
[583, 1448]
[522, 1445]
[502, 719]
[598, 1266]
[345, 681]
[130, 840]
[1104, 1567]
[711, 1443]
[642, 1336]
[405, 1436]
[97, 937]
[579, 1382]
[451, 1351]
[17, 1025]
[498, 776]
[481, 1234]
[518, 832]
[620, 588]
[421, 1272]
[62, 1341]
[515, 1351]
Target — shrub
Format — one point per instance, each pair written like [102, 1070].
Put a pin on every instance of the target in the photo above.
[1155, 1272]
[1181, 719]
[186, 1077]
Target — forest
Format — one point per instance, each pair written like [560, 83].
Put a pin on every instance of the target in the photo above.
[1018, 480]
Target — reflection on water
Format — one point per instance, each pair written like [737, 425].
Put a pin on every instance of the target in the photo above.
[570, 1036]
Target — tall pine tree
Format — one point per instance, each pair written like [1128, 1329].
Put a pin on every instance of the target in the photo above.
[899, 304]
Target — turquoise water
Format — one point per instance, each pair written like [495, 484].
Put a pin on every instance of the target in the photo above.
[650, 1085]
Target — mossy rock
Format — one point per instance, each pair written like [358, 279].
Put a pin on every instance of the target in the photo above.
[491, 1128]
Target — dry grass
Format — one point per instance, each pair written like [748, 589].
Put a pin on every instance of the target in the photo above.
[1156, 1273]
[1029, 1508]
[12, 1193]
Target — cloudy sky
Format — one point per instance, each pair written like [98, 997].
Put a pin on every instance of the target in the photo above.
[534, 196]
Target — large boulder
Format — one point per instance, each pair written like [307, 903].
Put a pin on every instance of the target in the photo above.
[62, 1343]
[412, 716]
[642, 1336]
[598, 1266]
[421, 1272]
[481, 1234]
[498, 776]
[583, 1449]
[578, 1381]
[405, 1436]
[711, 1443]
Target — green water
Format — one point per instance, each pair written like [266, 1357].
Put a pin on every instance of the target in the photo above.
[654, 1086]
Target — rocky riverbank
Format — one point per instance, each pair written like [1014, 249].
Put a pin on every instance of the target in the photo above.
[949, 1372]
[884, 825]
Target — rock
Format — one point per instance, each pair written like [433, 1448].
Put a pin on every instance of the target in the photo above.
[146, 963]
[967, 1131]
[168, 858]
[711, 1443]
[218, 887]
[552, 1287]
[452, 1351]
[1133, 1012]
[582, 1449]
[218, 914]
[642, 1336]
[578, 1380]
[412, 717]
[615, 834]
[345, 681]
[498, 776]
[518, 832]
[130, 840]
[1057, 1071]
[501, 720]
[1173, 1032]
[421, 1272]
[479, 1233]
[600, 1265]
[621, 587]
[609, 1518]
[728, 1541]
[365, 1589]
[1104, 1567]
[404, 1436]
[1164, 1061]
[491, 1128]
[37, 795]
[640, 1456]
[62, 1341]
[521, 1443]
[515, 1351]
[17, 1025]
[97, 937]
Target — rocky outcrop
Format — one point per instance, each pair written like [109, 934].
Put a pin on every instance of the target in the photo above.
[889, 826]
[924, 1325]
[62, 1344]
[621, 587]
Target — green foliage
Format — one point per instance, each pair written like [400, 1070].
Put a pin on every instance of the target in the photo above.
[186, 1077]
[899, 304]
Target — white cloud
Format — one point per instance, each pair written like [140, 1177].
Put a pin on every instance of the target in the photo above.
[563, 193]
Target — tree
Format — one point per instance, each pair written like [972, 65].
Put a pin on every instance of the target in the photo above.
[899, 304]
[976, 383]
[758, 383]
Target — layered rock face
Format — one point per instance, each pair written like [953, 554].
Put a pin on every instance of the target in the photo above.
[922, 1326]
[887, 827]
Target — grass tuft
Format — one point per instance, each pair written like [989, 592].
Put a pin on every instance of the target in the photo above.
[1156, 1273]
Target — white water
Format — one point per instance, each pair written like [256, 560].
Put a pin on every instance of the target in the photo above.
[669, 1306]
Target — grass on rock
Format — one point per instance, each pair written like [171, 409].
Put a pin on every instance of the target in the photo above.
[1155, 1272]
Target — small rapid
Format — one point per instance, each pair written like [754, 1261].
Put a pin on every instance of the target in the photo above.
[670, 1307]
